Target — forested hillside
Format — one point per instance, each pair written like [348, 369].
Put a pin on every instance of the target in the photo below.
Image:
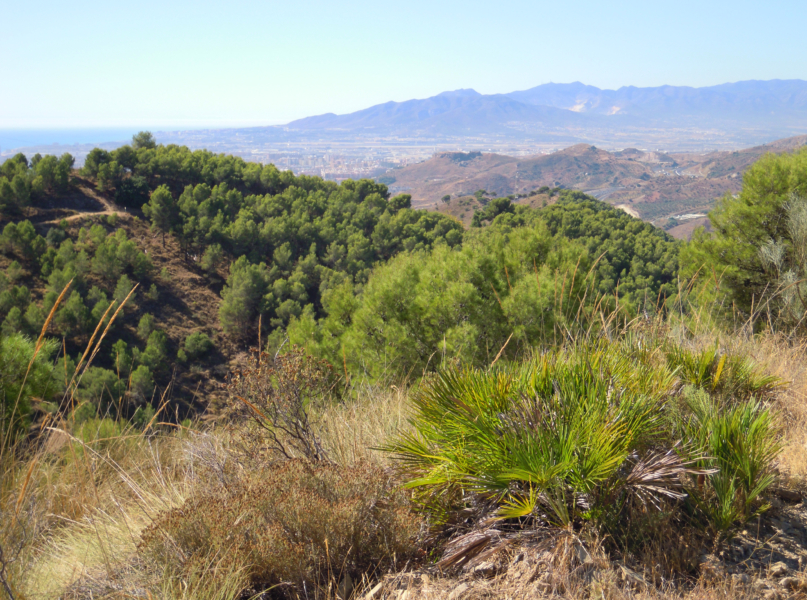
[269, 245]
[521, 278]
[232, 246]
[219, 380]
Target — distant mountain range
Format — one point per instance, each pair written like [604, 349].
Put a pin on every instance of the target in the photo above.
[574, 111]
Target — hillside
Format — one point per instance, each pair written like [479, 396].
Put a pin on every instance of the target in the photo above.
[187, 298]
[552, 403]
[461, 112]
[656, 185]
[775, 100]
[223, 254]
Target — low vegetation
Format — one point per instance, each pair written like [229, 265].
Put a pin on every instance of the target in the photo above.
[558, 402]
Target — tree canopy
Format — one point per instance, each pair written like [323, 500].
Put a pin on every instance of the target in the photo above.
[755, 256]
[517, 283]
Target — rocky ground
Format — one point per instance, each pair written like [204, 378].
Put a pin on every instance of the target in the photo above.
[767, 560]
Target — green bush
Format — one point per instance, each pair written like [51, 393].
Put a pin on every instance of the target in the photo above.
[197, 344]
[541, 436]
[586, 434]
[722, 373]
[739, 444]
[142, 382]
[103, 389]
[145, 327]
[295, 524]
[156, 352]
[19, 385]
[752, 262]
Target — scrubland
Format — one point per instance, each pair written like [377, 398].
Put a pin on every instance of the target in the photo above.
[226, 508]
[565, 403]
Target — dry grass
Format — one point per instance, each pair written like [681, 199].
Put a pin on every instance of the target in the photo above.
[87, 502]
[787, 360]
[352, 431]
[85, 506]
[78, 507]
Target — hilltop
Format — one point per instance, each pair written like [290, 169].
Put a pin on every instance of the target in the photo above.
[656, 186]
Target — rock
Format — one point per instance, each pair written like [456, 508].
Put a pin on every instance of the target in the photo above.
[583, 555]
[789, 583]
[458, 591]
[345, 587]
[778, 569]
[712, 567]
[485, 569]
[789, 495]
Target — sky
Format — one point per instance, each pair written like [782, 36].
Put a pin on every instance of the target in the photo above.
[180, 64]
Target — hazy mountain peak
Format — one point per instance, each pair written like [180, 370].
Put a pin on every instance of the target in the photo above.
[568, 112]
[461, 93]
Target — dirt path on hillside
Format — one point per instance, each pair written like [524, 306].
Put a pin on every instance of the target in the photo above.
[110, 208]
[632, 212]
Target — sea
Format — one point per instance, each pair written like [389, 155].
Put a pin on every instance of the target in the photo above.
[11, 139]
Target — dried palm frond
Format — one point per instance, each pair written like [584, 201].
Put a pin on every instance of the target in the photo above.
[659, 474]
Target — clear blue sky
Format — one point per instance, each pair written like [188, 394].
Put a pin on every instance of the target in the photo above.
[183, 63]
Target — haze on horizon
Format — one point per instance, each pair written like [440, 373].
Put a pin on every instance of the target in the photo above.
[180, 64]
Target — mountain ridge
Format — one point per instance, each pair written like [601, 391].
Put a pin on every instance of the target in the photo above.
[576, 109]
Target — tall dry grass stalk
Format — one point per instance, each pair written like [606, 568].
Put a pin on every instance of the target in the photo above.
[353, 431]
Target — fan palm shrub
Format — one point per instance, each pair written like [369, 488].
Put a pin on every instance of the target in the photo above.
[738, 445]
[570, 435]
[722, 373]
[595, 433]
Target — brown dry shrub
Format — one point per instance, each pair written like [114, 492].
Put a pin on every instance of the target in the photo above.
[270, 402]
[297, 526]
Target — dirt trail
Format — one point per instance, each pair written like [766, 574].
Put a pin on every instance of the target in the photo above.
[632, 212]
[110, 208]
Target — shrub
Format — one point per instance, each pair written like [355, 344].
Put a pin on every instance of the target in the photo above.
[13, 323]
[722, 373]
[122, 289]
[73, 316]
[19, 384]
[197, 344]
[212, 257]
[103, 389]
[145, 326]
[562, 438]
[142, 382]
[592, 434]
[156, 352]
[295, 526]
[739, 445]
[132, 191]
[273, 397]
[14, 271]
[121, 357]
